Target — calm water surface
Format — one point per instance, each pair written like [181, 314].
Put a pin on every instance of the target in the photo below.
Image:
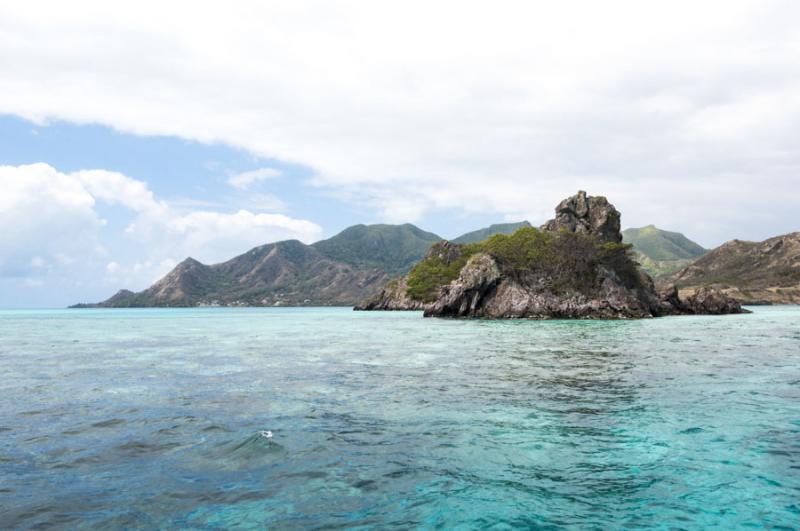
[153, 419]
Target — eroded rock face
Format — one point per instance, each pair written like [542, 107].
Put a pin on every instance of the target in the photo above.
[446, 251]
[669, 302]
[586, 214]
[705, 301]
[468, 293]
[483, 291]
[393, 297]
[710, 301]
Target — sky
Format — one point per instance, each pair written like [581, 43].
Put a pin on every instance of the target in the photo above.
[135, 134]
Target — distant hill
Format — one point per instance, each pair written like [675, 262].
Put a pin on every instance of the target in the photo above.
[661, 252]
[338, 271]
[481, 234]
[660, 268]
[661, 245]
[393, 248]
[752, 272]
[283, 273]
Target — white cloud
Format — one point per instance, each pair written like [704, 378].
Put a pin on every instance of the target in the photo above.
[51, 228]
[207, 235]
[261, 202]
[244, 180]
[45, 218]
[139, 273]
[117, 189]
[212, 236]
[684, 113]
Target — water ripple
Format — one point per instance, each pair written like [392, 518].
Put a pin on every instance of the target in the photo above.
[161, 419]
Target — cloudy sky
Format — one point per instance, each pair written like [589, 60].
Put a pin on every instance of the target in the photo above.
[134, 134]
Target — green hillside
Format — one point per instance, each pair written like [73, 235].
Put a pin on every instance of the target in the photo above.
[661, 245]
[660, 268]
[481, 234]
[393, 248]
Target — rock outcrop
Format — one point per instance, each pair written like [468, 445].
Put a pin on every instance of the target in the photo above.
[574, 268]
[587, 215]
[467, 294]
[483, 291]
[705, 301]
[393, 297]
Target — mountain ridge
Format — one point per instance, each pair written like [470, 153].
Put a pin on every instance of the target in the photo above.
[340, 270]
[393, 248]
[661, 252]
[661, 245]
[765, 272]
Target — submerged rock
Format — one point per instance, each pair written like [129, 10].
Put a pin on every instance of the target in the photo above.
[574, 268]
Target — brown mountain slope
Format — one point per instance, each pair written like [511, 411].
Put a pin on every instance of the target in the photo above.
[283, 273]
[751, 272]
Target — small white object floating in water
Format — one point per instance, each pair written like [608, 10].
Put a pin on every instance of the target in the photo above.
[266, 434]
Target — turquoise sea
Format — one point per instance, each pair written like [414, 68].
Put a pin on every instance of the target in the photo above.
[160, 419]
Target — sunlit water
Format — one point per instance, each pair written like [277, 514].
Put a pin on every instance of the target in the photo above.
[154, 419]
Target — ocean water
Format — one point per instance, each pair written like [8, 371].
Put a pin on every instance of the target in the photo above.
[162, 419]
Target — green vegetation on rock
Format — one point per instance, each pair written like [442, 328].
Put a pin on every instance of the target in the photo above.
[437, 269]
[560, 262]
